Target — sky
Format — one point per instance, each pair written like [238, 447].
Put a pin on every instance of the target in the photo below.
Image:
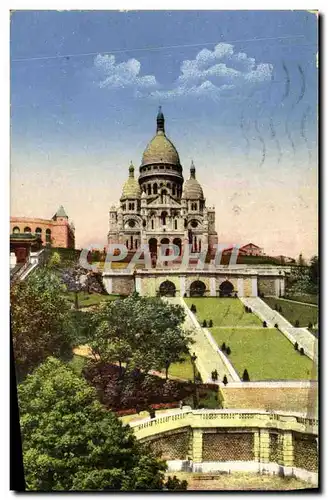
[239, 93]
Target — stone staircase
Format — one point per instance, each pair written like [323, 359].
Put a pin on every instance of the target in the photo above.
[208, 359]
[302, 336]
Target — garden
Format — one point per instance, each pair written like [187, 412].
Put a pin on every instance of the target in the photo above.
[301, 315]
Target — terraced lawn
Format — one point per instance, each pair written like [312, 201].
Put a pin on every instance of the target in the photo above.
[90, 299]
[222, 311]
[182, 370]
[304, 313]
[265, 353]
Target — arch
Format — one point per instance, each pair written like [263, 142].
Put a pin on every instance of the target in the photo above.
[152, 243]
[27, 229]
[197, 289]
[149, 188]
[155, 188]
[178, 242]
[173, 189]
[226, 289]
[163, 218]
[16, 230]
[48, 235]
[167, 289]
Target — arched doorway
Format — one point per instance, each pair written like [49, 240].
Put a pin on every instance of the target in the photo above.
[178, 243]
[226, 289]
[197, 289]
[167, 289]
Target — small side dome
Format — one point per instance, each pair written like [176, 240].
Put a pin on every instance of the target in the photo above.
[131, 188]
[192, 190]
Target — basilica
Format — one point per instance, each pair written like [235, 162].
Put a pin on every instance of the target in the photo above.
[160, 207]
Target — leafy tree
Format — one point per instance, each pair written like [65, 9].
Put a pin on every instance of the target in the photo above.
[223, 347]
[225, 380]
[174, 484]
[193, 308]
[41, 322]
[204, 323]
[245, 376]
[264, 324]
[276, 325]
[296, 346]
[138, 333]
[302, 351]
[55, 260]
[70, 442]
[210, 324]
[228, 351]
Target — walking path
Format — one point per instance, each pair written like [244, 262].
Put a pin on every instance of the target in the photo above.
[208, 356]
[302, 336]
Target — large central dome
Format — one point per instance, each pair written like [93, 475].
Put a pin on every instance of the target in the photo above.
[160, 149]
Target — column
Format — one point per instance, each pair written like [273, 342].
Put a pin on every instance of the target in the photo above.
[240, 287]
[213, 286]
[257, 445]
[277, 286]
[182, 285]
[282, 287]
[138, 285]
[197, 445]
[288, 449]
[264, 446]
[254, 286]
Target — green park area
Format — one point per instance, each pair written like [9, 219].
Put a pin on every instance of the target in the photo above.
[266, 354]
[222, 311]
[86, 299]
[294, 311]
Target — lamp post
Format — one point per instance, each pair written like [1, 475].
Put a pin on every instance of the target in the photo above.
[193, 361]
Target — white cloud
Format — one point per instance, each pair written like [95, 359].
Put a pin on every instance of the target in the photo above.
[211, 73]
[122, 75]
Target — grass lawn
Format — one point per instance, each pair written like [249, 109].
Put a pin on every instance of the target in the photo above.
[222, 311]
[265, 353]
[90, 299]
[293, 311]
[182, 370]
[305, 297]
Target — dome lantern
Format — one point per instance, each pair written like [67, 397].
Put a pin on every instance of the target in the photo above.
[131, 188]
[160, 122]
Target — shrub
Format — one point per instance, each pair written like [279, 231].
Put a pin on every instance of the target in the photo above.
[245, 376]
[297, 323]
[210, 323]
[246, 309]
[302, 351]
[280, 309]
[228, 351]
[193, 308]
[225, 380]
[276, 325]
[264, 324]
[296, 346]
[310, 326]
[185, 294]
[204, 323]
[276, 307]
[223, 347]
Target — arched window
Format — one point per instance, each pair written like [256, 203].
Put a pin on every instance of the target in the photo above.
[173, 189]
[168, 185]
[16, 230]
[131, 239]
[175, 224]
[136, 244]
[163, 217]
[152, 223]
[38, 230]
[27, 229]
[155, 188]
[149, 189]
[48, 235]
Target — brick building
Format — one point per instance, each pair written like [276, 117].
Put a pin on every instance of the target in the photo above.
[55, 232]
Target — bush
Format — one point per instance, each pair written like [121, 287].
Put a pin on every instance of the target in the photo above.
[297, 323]
[246, 309]
[228, 351]
[302, 351]
[204, 323]
[223, 347]
[193, 308]
[296, 346]
[310, 326]
[245, 376]
[185, 294]
[276, 325]
[265, 324]
[280, 309]
[276, 307]
[210, 323]
[225, 380]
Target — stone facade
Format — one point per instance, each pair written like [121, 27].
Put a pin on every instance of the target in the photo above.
[57, 231]
[160, 207]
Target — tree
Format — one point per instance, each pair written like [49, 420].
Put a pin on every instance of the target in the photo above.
[55, 260]
[193, 308]
[276, 325]
[210, 324]
[264, 324]
[138, 333]
[204, 323]
[245, 376]
[302, 351]
[225, 380]
[223, 347]
[41, 322]
[296, 346]
[228, 351]
[70, 442]
[297, 323]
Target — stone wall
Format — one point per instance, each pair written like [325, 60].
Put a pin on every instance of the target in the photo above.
[267, 285]
[172, 446]
[122, 285]
[305, 451]
[276, 454]
[228, 445]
